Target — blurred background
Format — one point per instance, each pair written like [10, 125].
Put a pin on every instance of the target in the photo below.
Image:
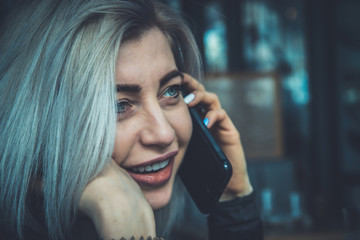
[288, 73]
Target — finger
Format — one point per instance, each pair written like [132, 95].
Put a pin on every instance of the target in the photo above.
[211, 100]
[207, 99]
[214, 116]
[191, 84]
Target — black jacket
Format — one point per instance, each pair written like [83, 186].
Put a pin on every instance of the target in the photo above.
[238, 219]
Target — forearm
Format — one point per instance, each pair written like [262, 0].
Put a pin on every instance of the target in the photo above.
[117, 207]
[116, 222]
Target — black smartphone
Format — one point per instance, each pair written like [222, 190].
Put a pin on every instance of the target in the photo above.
[205, 170]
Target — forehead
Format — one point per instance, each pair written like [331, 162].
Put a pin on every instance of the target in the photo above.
[149, 56]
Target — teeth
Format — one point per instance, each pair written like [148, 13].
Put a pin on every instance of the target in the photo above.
[163, 164]
[152, 167]
[156, 166]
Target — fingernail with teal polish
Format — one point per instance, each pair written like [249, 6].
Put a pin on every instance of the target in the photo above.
[188, 99]
[206, 121]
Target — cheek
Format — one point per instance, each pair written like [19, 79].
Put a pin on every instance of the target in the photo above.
[122, 144]
[181, 122]
[117, 153]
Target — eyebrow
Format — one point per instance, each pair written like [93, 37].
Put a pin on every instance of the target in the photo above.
[131, 88]
[171, 75]
[134, 88]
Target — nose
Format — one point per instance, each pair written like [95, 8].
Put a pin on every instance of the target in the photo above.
[157, 129]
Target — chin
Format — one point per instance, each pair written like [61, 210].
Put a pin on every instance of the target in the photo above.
[159, 198]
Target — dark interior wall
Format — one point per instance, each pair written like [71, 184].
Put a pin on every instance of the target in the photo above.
[323, 194]
[333, 65]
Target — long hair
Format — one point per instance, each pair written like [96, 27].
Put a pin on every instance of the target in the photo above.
[57, 98]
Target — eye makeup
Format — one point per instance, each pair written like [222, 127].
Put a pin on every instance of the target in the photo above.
[170, 84]
[124, 108]
[171, 75]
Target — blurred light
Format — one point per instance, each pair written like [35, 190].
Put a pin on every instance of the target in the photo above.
[295, 204]
[352, 96]
[266, 200]
[261, 92]
[262, 36]
[215, 42]
[297, 83]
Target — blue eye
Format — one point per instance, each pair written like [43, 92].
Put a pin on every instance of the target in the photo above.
[122, 106]
[172, 91]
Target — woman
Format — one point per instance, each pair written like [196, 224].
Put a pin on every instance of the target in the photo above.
[73, 149]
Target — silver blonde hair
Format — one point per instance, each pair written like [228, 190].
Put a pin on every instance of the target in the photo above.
[57, 100]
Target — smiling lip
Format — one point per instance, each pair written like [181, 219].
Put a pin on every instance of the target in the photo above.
[156, 178]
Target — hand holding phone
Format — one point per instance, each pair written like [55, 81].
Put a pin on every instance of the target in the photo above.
[205, 170]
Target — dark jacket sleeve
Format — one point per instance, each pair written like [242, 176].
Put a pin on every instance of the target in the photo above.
[237, 219]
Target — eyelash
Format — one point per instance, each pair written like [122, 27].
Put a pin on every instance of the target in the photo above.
[122, 101]
[123, 111]
[175, 87]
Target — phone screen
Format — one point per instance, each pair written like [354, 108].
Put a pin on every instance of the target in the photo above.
[205, 170]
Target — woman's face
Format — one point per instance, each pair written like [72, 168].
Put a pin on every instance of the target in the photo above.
[154, 125]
